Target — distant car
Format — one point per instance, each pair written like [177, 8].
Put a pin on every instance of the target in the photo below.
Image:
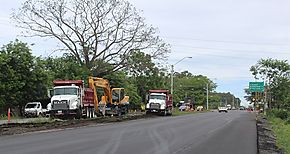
[223, 109]
[229, 106]
[34, 109]
[183, 107]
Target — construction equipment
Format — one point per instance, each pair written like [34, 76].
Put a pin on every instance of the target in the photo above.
[112, 101]
[159, 101]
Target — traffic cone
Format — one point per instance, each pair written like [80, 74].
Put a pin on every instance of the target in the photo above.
[8, 115]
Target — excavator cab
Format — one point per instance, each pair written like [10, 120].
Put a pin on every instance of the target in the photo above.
[118, 94]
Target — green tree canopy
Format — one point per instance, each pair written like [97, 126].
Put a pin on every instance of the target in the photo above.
[21, 78]
[188, 85]
[276, 75]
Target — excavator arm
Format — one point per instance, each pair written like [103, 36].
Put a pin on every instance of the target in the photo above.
[115, 97]
[94, 83]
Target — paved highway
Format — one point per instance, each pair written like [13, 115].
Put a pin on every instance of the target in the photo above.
[204, 133]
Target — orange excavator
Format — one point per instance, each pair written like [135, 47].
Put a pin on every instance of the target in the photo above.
[111, 101]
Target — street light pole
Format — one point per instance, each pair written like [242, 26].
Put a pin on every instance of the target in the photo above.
[171, 74]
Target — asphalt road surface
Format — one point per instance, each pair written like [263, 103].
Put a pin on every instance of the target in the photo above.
[203, 133]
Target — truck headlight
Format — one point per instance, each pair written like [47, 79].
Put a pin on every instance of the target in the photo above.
[147, 105]
[162, 106]
[74, 105]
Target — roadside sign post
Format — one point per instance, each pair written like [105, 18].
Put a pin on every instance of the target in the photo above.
[256, 87]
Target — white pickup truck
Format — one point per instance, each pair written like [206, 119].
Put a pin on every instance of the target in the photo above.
[34, 109]
[223, 109]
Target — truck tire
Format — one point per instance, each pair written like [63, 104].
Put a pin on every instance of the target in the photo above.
[78, 113]
[162, 113]
[170, 112]
[51, 115]
[40, 115]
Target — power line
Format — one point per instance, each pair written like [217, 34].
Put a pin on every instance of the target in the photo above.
[235, 50]
[226, 41]
[226, 56]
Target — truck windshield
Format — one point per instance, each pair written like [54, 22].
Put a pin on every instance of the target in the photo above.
[29, 106]
[65, 91]
[161, 97]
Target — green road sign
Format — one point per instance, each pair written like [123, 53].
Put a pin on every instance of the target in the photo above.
[256, 86]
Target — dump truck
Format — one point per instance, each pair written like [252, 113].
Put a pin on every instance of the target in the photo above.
[70, 98]
[159, 101]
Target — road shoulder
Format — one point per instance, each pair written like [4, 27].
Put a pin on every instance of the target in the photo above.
[266, 138]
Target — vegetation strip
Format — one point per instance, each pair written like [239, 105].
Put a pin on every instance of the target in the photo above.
[266, 138]
[281, 129]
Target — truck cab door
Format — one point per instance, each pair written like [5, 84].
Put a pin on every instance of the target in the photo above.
[50, 93]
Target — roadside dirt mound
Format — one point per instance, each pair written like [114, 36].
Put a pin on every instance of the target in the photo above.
[266, 138]
[19, 128]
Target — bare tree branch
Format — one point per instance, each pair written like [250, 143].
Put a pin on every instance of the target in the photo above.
[99, 33]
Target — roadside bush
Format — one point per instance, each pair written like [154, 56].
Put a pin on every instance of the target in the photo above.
[282, 114]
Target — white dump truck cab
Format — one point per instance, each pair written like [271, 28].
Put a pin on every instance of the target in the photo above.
[159, 101]
[66, 98]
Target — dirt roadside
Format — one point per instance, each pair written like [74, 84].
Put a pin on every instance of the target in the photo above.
[19, 128]
[266, 139]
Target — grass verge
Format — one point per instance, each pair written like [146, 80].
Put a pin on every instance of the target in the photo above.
[282, 131]
[4, 117]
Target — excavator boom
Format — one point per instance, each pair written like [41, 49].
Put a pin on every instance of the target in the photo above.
[112, 98]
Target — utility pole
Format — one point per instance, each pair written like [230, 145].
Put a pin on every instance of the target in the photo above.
[265, 100]
[233, 105]
[172, 72]
[207, 96]
[171, 75]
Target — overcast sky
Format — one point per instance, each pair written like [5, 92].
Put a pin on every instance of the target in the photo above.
[223, 37]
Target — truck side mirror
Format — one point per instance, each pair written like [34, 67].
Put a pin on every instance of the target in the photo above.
[50, 93]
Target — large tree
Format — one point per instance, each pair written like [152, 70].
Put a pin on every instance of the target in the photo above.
[145, 73]
[64, 68]
[100, 34]
[275, 73]
[21, 78]
[188, 85]
[269, 69]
